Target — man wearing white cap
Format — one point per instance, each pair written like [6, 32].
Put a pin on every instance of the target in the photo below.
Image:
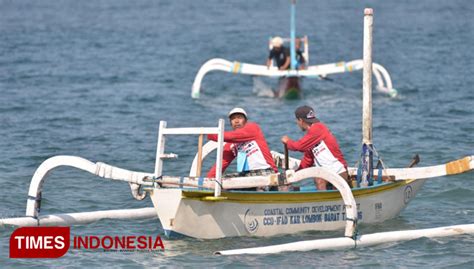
[247, 143]
[319, 146]
[279, 54]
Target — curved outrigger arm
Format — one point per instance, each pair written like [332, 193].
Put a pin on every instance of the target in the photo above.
[384, 82]
[340, 184]
[33, 204]
[455, 167]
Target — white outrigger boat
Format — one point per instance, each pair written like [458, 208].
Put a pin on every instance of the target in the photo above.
[211, 208]
[290, 80]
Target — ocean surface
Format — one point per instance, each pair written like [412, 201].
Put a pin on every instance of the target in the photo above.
[94, 78]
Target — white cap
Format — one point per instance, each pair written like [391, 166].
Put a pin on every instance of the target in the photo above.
[236, 110]
[277, 41]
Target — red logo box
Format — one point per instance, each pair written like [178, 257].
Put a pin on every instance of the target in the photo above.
[39, 242]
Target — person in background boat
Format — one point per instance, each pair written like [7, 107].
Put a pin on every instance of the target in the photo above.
[248, 144]
[300, 60]
[279, 54]
[319, 146]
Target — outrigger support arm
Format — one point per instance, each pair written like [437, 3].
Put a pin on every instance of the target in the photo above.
[384, 82]
[455, 167]
[135, 179]
[340, 184]
[104, 170]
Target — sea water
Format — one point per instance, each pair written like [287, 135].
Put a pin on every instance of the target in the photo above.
[94, 78]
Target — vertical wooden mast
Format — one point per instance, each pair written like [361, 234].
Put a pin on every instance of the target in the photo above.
[367, 147]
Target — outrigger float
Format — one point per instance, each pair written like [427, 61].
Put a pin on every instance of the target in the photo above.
[290, 81]
[212, 208]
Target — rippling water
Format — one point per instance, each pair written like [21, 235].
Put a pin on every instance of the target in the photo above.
[94, 78]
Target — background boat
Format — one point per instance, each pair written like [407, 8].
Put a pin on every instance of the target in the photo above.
[289, 84]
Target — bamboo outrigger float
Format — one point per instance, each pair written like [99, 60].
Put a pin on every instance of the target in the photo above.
[290, 84]
[214, 208]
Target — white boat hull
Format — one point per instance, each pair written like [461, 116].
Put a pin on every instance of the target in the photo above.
[196, 214]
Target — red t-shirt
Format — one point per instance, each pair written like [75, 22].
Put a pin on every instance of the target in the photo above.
[249, 140]
[320, 149]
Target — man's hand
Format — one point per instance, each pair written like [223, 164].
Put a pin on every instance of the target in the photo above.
[269, 63]
[284, 139]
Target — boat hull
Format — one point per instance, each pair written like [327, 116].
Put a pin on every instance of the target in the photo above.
[289, 88]
[195, 214]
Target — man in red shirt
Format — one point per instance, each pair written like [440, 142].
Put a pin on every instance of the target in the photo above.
[247, 143]
[319, 145]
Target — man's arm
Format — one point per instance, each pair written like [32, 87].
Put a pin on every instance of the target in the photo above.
[302, 61]
[227, 157]
[304, 144]
[307, 161]
[269, 59]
